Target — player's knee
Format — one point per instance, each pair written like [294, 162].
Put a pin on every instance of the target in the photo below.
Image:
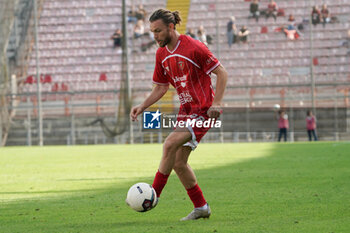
[180, 167]
[169, 145]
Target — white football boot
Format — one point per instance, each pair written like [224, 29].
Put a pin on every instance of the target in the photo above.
[197, 213]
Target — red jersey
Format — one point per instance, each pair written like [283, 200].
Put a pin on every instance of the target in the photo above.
[187, 68]
[283, 122]
[310, 123]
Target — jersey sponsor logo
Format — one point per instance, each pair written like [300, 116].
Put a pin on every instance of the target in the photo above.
[179, 79]
[185, 97]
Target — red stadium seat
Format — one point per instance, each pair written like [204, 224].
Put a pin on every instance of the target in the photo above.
[64, 87]
[47, 79]
[55, 87]
[103, 77]
[264, 29]
[30, 80]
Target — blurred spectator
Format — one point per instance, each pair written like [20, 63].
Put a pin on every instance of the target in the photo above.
[311, 125]
[231, 31]
[191, 33]
[254, 10]
[141, 13]
[201, 35]
[280, 12]
[291, 18]
[117, 38]
[243, 35]
[132, 15]
[139, 29]
[135, 15]
[283, 125]
[271, 10]
[325, 15]
[315, 16]
[291, 32]
[304, 23]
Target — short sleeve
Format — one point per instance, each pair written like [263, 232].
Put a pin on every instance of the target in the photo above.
[159, 75]
[207, 61]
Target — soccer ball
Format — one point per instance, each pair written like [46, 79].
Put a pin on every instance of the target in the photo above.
[141, 197]
[276, 106]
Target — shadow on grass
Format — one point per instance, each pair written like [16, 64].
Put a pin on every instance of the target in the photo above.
[297, 188]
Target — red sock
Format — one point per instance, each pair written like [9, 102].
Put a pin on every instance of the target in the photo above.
[196, 196]
[159, 182]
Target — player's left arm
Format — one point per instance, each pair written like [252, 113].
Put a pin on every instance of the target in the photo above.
[221, 75]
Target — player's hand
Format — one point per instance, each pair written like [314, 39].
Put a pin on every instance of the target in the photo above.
[135, 111]
[215, 111]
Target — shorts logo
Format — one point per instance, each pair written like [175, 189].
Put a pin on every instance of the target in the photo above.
[151, 120]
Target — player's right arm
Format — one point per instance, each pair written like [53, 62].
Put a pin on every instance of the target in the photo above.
[160, 88]
[157, 93]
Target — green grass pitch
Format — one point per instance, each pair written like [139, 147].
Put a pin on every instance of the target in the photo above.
[252, 187]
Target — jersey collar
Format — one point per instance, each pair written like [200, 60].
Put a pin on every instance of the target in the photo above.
[177, 45]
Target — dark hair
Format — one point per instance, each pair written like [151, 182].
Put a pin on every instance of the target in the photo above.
[167, 16]
[308, 112]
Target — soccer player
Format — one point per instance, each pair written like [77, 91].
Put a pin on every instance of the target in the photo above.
[186, 64]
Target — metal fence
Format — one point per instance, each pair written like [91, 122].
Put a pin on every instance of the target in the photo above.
[91, 118]
[67, 116]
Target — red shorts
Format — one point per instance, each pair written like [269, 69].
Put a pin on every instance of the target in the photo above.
[197, 129]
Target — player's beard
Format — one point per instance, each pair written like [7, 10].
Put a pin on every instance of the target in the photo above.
[166, 40]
